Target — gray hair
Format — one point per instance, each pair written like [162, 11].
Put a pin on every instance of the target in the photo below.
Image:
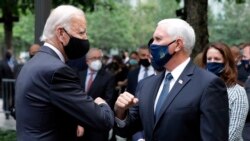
[177, 28]
[92, 50]
[60, 16]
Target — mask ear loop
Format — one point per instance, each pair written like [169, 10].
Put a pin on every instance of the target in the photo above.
[67, 32]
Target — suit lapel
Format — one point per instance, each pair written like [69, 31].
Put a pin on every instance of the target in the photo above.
[152, 95]
[178, 86]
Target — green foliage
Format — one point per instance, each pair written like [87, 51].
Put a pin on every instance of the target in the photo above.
[23, 35]
[232, 26]
[7, 135]
[126, 27]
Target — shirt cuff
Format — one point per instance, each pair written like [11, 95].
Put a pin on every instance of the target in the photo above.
[120, 123]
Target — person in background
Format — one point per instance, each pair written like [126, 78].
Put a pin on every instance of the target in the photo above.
[218, 59]
[133, 60]
[237, 55]
[244, 67]
[170, 106]
[105, 61]
[50, 101]
[96, 82]
[7, 72]
[120, 71]
[33, 49]
[125, 56]
[246, 129]
[144, 69]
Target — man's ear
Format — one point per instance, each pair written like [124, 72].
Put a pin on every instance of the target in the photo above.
[179, 45]
[60, 34]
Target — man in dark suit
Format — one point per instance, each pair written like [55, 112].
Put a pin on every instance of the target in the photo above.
[246, 129]
[144, 70]
[184, 103]
[7, 78]
[97, 82]
[50, 102]
[244, 67]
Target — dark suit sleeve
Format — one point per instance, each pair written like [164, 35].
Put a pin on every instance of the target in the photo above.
[214, 119]
[132, 81]
[133, 121]
[67, 95]
[109, 91]
[247, 87]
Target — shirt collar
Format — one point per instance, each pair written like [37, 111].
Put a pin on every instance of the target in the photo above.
[90, 71]
[179, 69]
[148, 68]
[56, 51]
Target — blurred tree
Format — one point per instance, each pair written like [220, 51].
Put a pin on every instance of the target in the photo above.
[125, 26]
[195, 13]
[228, 26]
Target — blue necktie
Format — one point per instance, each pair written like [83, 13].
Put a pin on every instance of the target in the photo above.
[163, 95]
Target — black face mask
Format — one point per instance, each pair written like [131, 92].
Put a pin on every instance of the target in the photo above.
[144, 62]
[76, 48]
[7, 55]
[114, 66]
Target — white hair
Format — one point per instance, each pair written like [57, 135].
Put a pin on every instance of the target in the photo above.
[177, 28]
[60, 16]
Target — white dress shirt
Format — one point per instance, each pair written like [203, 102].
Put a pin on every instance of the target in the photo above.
[88, 77]
[143, 70]
[55, 50]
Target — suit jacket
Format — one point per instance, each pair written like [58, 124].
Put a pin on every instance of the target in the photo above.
[50, 101]
[102, 86]
[243, 73]
[5, 70]
[246, 129]
[133, 80]
[196, 108]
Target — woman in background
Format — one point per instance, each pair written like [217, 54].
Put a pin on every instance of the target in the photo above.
[218, 59]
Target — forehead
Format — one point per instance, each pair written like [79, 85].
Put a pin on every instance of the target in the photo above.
[78, 23]
[246, 49]
[213, 52]
[143, 51]
[95, 53]
[160, 31]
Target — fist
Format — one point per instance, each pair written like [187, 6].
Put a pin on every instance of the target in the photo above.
[124, 102]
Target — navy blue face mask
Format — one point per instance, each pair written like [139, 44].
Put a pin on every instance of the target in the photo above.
[215, 67]
[245, 62]
[160, 54]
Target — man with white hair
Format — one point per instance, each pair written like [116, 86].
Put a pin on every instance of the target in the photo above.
[183, 103]
[49, 99]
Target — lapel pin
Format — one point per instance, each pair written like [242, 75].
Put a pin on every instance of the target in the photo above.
[180, 81]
